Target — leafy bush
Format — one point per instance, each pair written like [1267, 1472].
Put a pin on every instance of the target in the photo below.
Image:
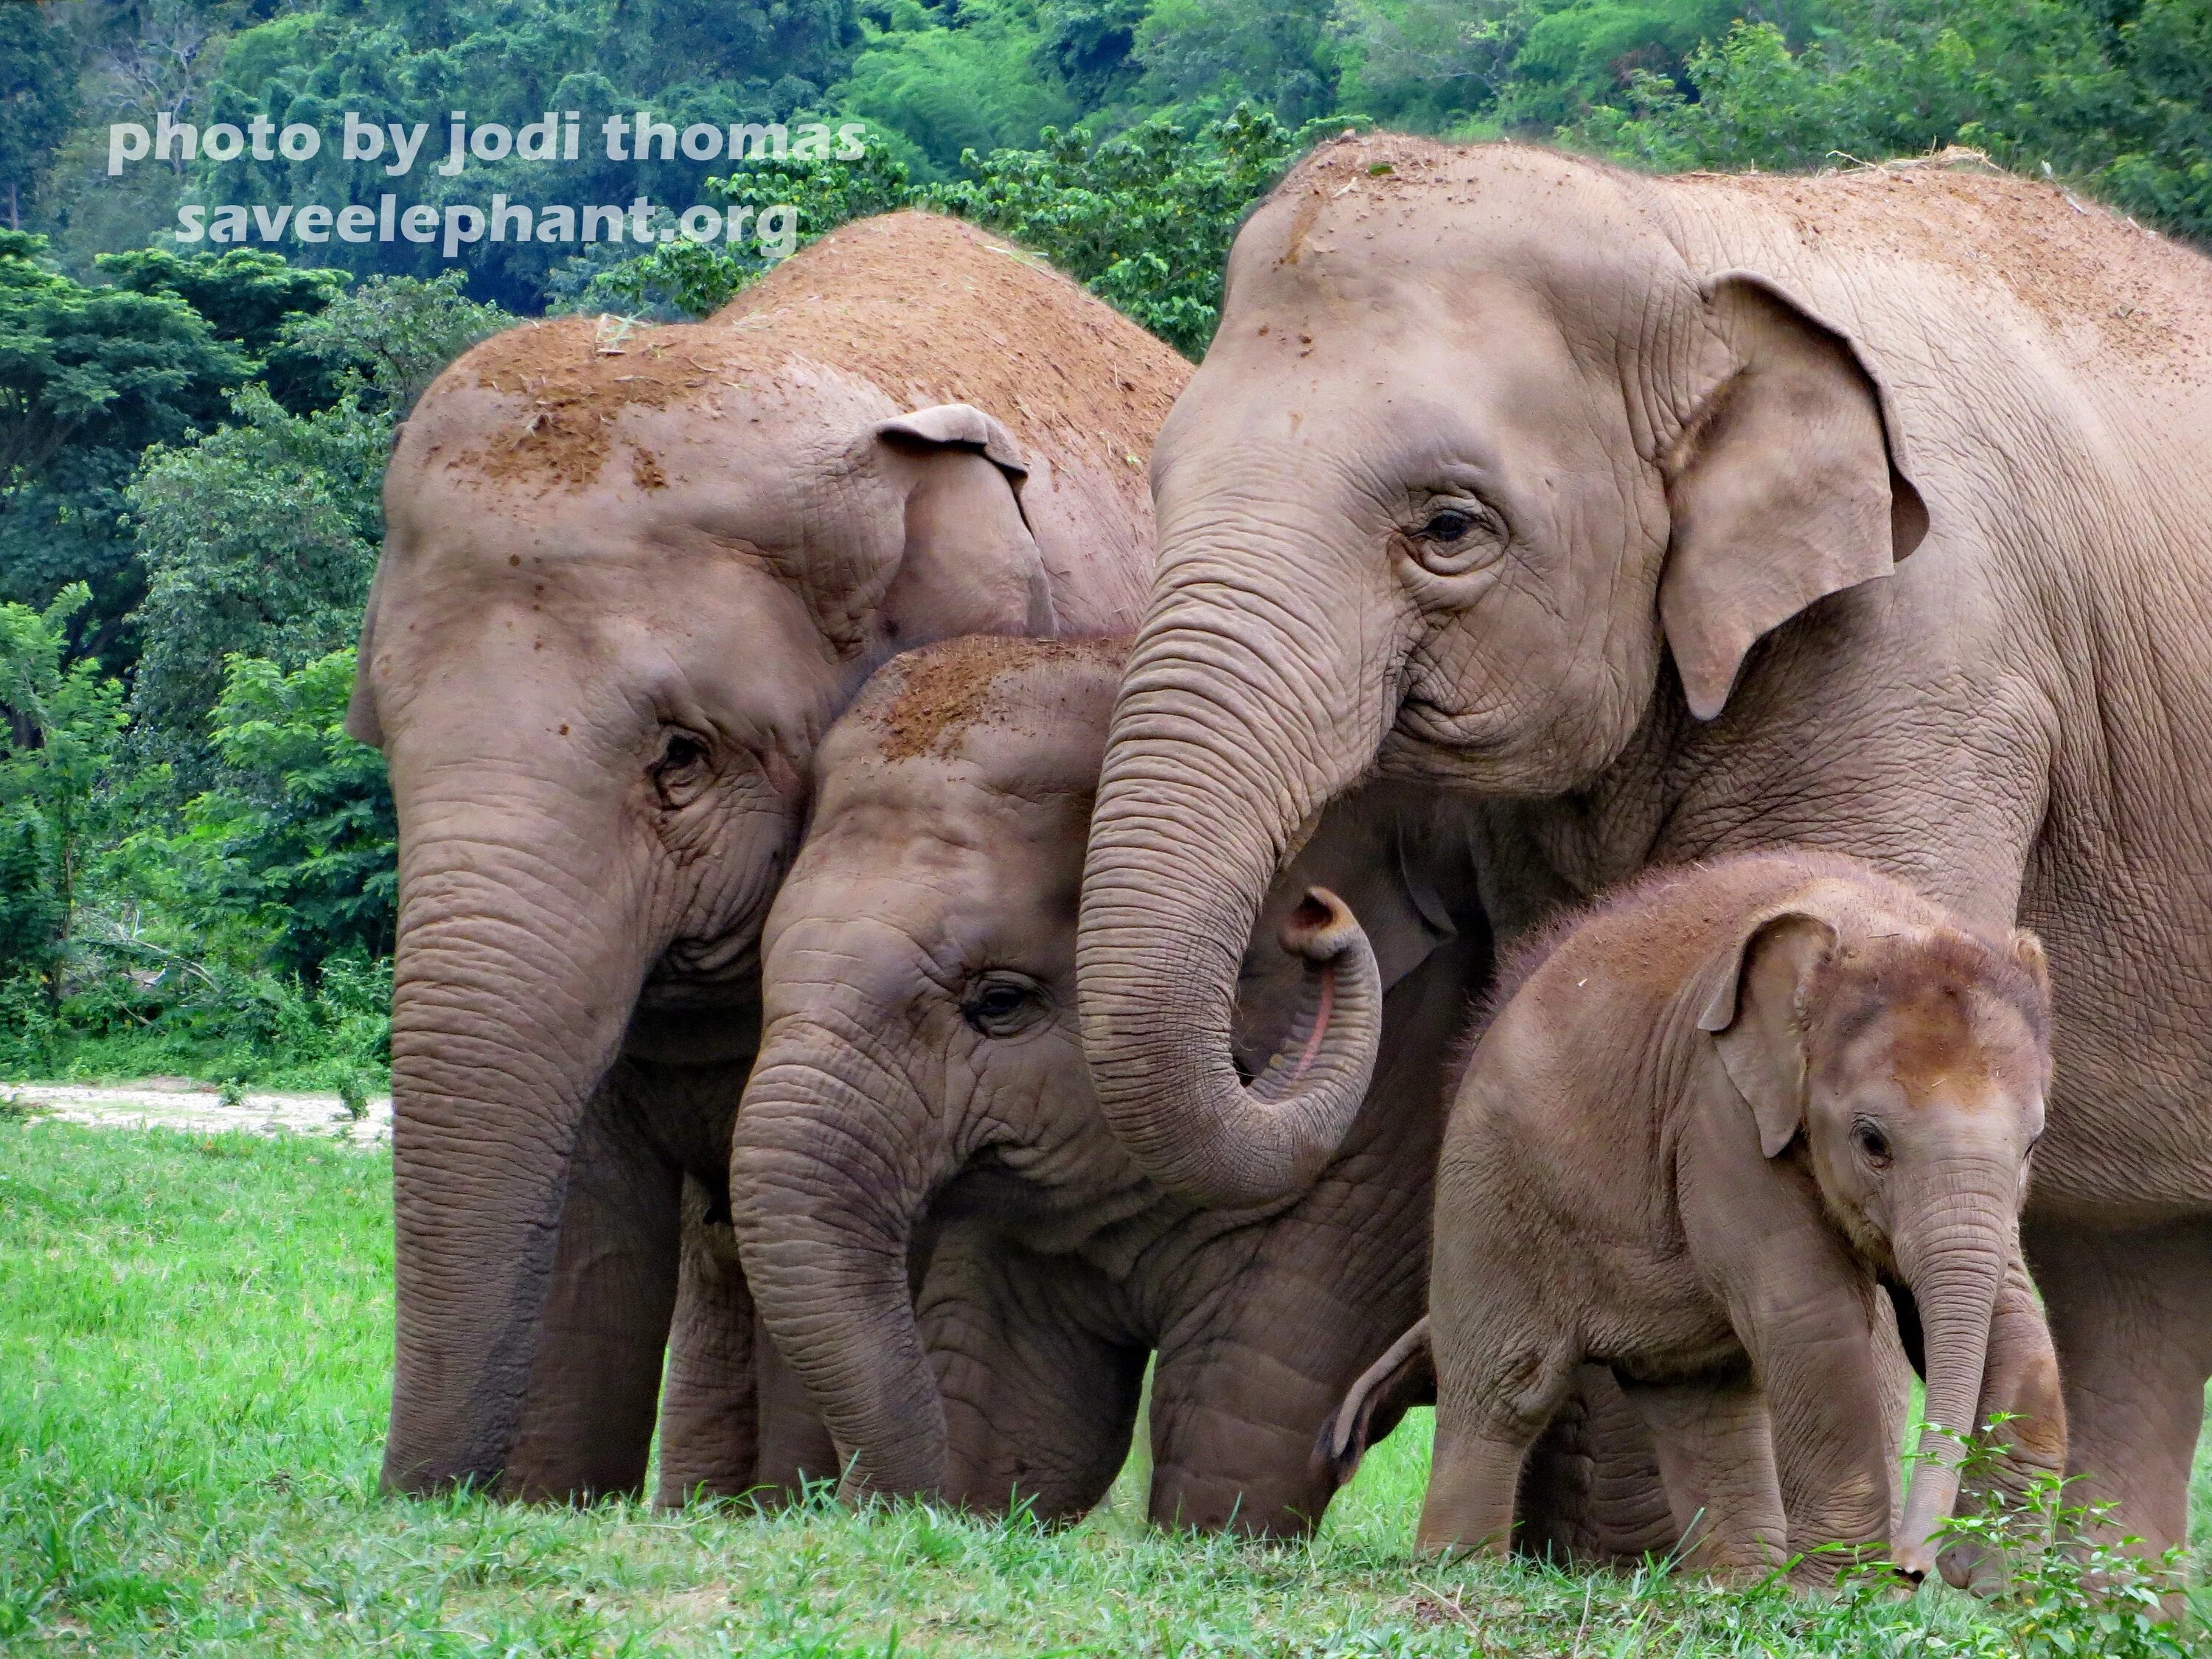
[2124, 107]
[1144, 220]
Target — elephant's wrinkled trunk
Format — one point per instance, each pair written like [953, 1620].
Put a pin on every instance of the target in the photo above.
[1954, 1260]
[833, 1161]
[513, 982]
[1215, 765]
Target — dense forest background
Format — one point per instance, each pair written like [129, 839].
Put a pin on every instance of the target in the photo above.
[196, 868]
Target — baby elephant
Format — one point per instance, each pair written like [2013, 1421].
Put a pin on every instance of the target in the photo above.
[1707, 1120]
[944, 1240]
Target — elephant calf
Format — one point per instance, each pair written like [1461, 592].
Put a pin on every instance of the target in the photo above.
[945, 1241]
[1708, 1120]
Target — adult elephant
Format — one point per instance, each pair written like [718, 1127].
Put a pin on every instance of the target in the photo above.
[1488, 434]
[630, 576]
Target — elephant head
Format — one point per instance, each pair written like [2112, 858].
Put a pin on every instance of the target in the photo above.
[1914, 1061]
[919, 1015]
[630, 577]
[1473, 451]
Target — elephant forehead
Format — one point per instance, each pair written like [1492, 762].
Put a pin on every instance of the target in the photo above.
[1029, 716]
[1362, 215]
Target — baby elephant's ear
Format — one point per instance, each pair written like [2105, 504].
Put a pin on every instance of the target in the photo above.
[1755, 1015]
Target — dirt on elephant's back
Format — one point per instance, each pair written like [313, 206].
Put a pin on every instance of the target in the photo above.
[930, 310]
[933, 310]
[2085, 271]
[922, 703]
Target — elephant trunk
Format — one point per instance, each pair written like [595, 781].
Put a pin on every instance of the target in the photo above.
[1217, 759]
[832, 1164]
[513, 982]
[1954, 1263]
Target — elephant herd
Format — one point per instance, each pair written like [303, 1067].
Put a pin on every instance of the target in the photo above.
[1659, 729]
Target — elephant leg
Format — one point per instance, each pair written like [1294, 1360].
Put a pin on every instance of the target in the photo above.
[709, 1404]
[2132, 1326]
[1277, 1322]
[1715, 1447]
[588, 1417]
[1591, 1491]
[1039, 1374]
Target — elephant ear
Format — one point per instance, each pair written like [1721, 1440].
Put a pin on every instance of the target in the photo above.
[970, 564]
[1785, 487]
[362, 724]
[1756, 1015]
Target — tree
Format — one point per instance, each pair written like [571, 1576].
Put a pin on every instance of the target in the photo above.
[2121, 104]
[249, 296]
[304, 813]
[89, 377]
[392, 334]
[38, 97]
[1144, 220]
[60, 725]
[259, 538]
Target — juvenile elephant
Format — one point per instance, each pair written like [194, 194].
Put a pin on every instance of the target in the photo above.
[630, 575]
[1703, 1125]
[1908, 470]
[920, 1096]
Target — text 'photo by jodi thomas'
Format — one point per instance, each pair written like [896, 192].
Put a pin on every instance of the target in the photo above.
[396, 146]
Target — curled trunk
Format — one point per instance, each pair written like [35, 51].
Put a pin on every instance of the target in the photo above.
[833, 1160]
[1213, 769]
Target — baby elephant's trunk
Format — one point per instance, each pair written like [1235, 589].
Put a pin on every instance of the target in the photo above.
[1954, 1260]
[829, 1172]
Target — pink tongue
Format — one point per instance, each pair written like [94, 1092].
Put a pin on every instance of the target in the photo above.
[1320, 1025]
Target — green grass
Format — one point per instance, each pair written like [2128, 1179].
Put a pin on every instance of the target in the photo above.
[194, 1366]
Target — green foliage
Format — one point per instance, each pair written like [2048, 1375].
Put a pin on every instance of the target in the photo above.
[692, 279]
[1144, 220]
[260, 537]
[947, 90]
[390, 336]
[2121, 104]
[38, 97]
[2074, 1584]
[88, 378]
[60, 726]
[304, 815]
[1200, 55]
[247, 296]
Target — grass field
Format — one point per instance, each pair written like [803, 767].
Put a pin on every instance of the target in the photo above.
[194, 1363]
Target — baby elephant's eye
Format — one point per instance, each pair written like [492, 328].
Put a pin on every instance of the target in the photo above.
[1001, 1003]
[1871, 1142]
[1447, 527]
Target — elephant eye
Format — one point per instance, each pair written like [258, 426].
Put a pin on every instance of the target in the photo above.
[683, 769]
[1871, 1143]
[1455, 539]
[1001, 1003]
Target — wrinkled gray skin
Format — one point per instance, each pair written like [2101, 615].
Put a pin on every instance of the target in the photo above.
[630, 577]
[1661, 518]
[920, 1096]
